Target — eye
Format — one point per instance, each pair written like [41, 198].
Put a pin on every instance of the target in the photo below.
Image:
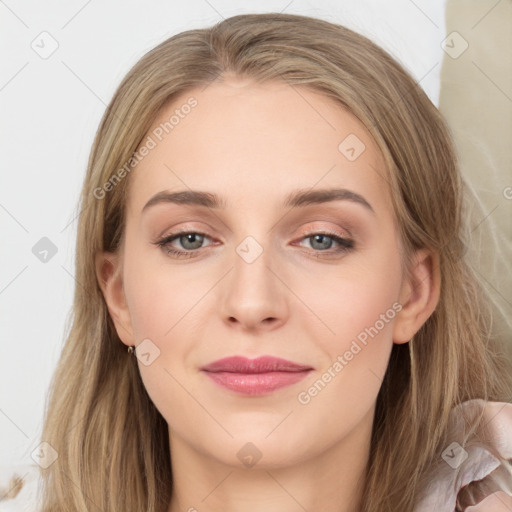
[324, 242]
[192, 241]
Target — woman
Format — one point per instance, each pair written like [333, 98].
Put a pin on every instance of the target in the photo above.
[271, 222]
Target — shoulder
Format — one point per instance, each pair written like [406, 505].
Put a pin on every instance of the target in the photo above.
[18, 488]
[473, 472]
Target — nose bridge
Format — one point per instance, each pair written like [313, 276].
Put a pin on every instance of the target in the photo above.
[253, 293]
[252, 265]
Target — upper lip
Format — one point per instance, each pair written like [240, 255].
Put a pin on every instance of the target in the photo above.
[263, 364]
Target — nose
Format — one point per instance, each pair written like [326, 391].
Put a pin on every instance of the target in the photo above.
[254, 294]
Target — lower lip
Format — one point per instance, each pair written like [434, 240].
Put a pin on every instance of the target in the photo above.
[256, 383]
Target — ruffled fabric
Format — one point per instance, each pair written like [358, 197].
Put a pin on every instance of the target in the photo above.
[474, 471]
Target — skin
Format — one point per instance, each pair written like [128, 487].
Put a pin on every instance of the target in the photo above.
[253, 144]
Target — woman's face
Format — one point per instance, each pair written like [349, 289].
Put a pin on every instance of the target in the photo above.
[255, 280]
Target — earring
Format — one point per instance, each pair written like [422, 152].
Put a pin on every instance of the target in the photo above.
[131, 349]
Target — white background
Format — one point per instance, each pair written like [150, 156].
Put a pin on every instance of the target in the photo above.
[50, 110]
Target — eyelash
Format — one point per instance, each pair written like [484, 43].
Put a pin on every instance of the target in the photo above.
[345, 244]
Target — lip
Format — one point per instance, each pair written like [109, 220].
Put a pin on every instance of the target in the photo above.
[263, 364]
[255, 376]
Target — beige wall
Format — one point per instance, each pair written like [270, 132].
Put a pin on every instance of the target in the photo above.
[476, 99]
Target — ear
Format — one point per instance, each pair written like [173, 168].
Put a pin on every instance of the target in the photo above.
[110, 278]
[419, 295]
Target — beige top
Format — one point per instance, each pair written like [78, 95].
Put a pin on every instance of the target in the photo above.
[473, 475]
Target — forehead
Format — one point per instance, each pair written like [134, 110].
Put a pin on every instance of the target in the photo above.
[253, 141]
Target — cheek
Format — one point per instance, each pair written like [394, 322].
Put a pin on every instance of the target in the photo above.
[158, 294]
[355, 336]
[161, 303]
[360, 296]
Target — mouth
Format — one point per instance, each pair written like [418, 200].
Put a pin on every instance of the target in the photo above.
[255, 376]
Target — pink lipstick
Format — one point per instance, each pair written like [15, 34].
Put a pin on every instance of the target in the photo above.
[255, 376]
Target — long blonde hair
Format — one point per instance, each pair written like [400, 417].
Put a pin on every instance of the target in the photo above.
[112, 443]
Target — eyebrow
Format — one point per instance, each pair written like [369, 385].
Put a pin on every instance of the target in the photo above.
[297, 198]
